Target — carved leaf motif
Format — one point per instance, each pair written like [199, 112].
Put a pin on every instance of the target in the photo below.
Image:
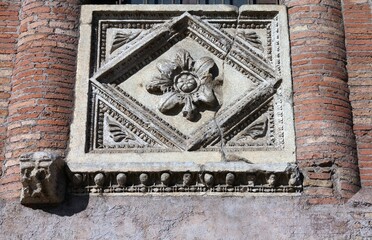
[159, 84]
[184, 60]
[117, 133]
[257, 130]
[166, 68]
[203, 65]
[121, 39]
[169, 101]
[252, 38]
[205, 95]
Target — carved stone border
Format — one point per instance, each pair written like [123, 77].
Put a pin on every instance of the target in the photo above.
[262, 181]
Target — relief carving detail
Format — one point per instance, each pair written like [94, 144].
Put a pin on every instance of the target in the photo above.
[118, 133]
[159, 119]
[256, 130]
[219, 181]
[184, 83]
[252, 38]
[121, 39]
[42, 178]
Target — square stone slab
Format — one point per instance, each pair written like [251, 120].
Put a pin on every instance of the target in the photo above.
[176, 88]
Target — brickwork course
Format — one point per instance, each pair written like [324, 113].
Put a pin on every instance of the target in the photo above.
[331, 55]
[358, 31]
[42, 81]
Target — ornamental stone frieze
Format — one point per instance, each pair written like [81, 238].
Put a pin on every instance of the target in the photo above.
[183, 99]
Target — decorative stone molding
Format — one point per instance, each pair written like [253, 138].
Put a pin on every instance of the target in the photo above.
[251, 181]
[182, 89]
[42, 178]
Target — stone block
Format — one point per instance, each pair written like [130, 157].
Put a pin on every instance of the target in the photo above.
[42, 178]
[183, 89]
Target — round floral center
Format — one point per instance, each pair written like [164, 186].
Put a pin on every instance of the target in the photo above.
[186, 82]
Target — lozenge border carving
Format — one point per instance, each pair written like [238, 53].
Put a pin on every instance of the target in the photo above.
[104, 20]
[163, 131]
[198, 33]
[231, 56]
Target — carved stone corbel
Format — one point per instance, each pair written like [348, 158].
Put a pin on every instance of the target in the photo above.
[43, 178]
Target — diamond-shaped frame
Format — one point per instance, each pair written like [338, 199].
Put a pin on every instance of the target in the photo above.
[237, 53]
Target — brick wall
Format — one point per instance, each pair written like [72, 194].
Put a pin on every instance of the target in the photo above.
[9, 23]
[323, 118]
[41, 102]
[358, 29]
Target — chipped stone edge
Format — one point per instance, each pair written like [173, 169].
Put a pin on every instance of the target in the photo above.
[43, 178]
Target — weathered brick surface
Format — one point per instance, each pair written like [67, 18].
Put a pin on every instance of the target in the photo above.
[323, 117]
[358, 32]
[9, 23]
[42, 81]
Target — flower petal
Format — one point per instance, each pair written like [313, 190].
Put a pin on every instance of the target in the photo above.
[169, 101]
[203, 66]
[166, 68]
[205, 95]
[159, 84]
[184, 60]
[189, 111]
[206, 80]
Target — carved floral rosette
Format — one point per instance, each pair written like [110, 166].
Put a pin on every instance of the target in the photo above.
[184, 82]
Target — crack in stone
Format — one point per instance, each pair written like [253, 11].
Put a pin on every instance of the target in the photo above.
[220, 130]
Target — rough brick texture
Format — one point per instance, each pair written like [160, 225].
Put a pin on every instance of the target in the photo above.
[323, 117]
[9, 22]
[358, 31]
[41, 102]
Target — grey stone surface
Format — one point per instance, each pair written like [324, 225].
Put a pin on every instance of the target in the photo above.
[242, 181]
[185, 217]
[42, 178]
[180, 89]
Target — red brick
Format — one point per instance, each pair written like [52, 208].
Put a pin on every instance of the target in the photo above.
[321, 176]
[327, 200]
[319, 191]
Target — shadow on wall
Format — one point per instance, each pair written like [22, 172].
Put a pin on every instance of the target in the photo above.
[71, 205]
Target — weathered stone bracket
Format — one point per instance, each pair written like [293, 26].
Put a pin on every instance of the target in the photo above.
[43, 178]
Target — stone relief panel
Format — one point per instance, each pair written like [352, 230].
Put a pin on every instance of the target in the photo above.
[183, 89]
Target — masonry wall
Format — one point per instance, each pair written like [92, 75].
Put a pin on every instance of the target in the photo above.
[323, 117]
[358, 31]
[331, 54]
[42, 83]
[9, 23]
